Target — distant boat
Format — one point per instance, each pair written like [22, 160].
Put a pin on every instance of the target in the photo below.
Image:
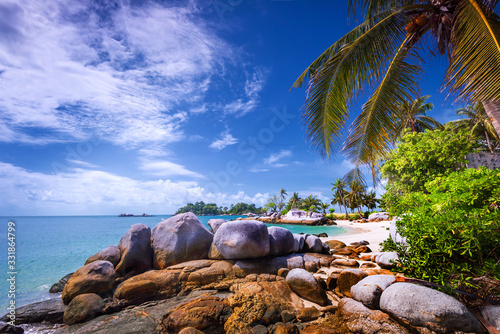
[132, 215]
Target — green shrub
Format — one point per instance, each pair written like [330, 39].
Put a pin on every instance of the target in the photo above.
[354, 216]
[453, 228]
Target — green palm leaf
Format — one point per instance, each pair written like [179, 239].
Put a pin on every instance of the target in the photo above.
[475, 58]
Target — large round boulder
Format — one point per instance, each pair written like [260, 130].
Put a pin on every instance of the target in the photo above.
[425, 307]
[242, 239]
[299, 241]
[216, 223]
[281, 241]
[83, 308]
[135, 247]
[179, 239]
[369, 289]
[305, 285]
[95, 277]
[111, 254]
[313, 244]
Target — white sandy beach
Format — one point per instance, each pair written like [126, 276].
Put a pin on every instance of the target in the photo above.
[373, 232]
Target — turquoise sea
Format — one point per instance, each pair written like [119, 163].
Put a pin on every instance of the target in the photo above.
[47, 248]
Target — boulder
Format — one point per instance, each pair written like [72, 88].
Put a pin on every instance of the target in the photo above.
[298, 242]
[179, 239]
[111, 254]
[346, 262]
[347, 278]
[281, 241]
[424, 307]
[83, 308]
[214, 254]
[393, 232]
[308, 314]
[205, 314]
[59, 286]
[313, 244]
[357, 318]
[242, 239]
[492, 314]
[135, 248]
[51, 310]
[387, 260]
[335, 244]
[306, 285]
[378, 216]
[216, 223]
[286, 329]
[6, 328]
[369, 289]
[190, 330]
[95, 277]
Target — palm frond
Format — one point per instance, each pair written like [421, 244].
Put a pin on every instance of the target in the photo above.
[355, 175]
[341, 78]
[475, 58]
[374, 7]
[372, 132]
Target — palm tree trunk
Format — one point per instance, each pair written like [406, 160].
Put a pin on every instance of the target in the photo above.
[492, 108]
[488, 141]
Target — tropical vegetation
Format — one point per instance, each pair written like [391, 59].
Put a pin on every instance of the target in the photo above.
[211, 209]
[383, 55]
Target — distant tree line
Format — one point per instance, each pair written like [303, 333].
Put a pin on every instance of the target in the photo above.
[211, 209]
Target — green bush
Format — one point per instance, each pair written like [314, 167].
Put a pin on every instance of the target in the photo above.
[453, 228]
[354, 216]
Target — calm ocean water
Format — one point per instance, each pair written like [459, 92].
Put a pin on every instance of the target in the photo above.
[47, 248]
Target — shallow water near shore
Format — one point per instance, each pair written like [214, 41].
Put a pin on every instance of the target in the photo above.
[47, 248]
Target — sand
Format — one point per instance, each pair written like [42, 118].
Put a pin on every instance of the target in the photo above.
[373, 232]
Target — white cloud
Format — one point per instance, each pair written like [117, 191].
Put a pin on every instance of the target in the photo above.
[258, 170]
[273, 159]
[226, 140]
[81, 163]
[241, 106]
[71, 73]
[81, 191]
[167, 169]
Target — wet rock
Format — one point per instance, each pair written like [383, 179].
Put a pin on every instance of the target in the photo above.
[347, 278]
[179, 239]
[95, 277]
[205, 314]
[6, 328]
[306, 285]
[369, 289]
[59, 286]
[242, 239]
[111, 254]
[281, 241]
[51, 310]
[424, 307]
[136, 252]
[308, 314]
[83, 308]
[215, 224]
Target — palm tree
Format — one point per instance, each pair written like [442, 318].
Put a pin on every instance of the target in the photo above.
[282, 197]
[370, 200]
[339, 194]
[383, 53]
[310, 204]
[413, 115]
[272, 203]
[324, 206]
[478, 123]
[294, 200]
[355, 196]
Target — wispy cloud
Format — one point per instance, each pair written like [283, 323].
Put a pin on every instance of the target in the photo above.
[81, 163]
[81, 191]
[243, 106]
[168, 169]
[258, 170]
[273, 159]
[75, 69]
[226, 140]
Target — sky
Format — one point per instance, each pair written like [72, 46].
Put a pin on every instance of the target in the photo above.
[111, 106]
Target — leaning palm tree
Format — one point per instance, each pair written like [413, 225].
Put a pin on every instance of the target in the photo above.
[383, 54]
[339, 194]
[282, 196]
[478, 123]
[412, 115]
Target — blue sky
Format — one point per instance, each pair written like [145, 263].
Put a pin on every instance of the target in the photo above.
[116, 106]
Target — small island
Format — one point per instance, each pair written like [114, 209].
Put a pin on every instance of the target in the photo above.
[132, 215]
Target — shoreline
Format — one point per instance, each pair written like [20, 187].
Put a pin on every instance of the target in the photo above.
[373, 232]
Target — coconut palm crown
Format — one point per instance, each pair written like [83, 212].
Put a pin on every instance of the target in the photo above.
[383, 55]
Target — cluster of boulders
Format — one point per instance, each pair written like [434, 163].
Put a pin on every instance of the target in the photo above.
[243, 277]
